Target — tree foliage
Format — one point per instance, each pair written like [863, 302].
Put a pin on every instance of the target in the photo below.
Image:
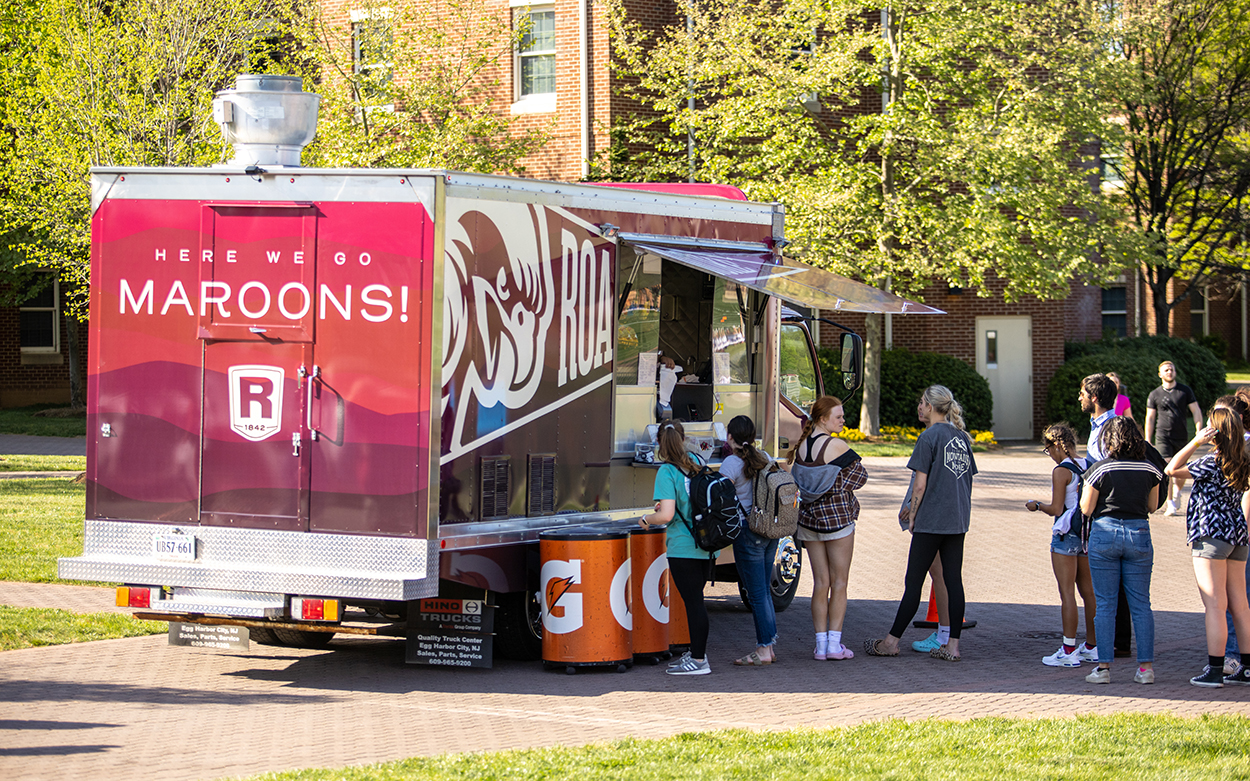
[1186, 139]
[911, 145]
[412, 84]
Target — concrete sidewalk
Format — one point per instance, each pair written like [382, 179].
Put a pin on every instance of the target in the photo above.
[21, 444]
[121, 708]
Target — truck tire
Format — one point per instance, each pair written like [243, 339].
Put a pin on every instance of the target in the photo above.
[299, 638]
[784, 583]
[518, 626]
[262, 635]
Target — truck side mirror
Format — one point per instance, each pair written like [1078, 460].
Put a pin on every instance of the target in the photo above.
[852, 367]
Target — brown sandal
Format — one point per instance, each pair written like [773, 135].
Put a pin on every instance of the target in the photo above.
[944, 654]
[870, 648]
[752, 659]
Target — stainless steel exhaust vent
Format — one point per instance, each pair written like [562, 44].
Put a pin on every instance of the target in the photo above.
[268, 119]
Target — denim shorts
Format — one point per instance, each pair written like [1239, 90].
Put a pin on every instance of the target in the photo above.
[1212, 548]
[1066, 544]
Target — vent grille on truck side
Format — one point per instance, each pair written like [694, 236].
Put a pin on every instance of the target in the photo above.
[496, 485]
[542, 488]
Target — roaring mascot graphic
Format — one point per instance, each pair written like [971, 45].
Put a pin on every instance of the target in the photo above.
[499, 301]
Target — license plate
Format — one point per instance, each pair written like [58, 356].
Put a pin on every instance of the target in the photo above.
[175, 547]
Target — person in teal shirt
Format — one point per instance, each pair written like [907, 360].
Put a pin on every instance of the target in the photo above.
[688, 564]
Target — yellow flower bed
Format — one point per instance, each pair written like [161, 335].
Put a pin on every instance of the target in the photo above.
[909, 434]
[851, 435]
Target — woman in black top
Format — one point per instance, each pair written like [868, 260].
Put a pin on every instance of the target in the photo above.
[1120, 493]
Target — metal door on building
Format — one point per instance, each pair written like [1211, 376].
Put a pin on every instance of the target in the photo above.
[1005, 360]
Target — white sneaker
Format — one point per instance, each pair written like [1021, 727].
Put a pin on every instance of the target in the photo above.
[691, 666]
[1099, 675]
[1087, 654]
[1169, 508]
[1061, 658]
[1231, 665]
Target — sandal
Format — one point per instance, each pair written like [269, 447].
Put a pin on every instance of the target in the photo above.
[870, 648]
[944, 654]
[752, 659]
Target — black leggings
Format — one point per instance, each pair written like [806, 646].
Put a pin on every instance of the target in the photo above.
[923, 549]
[690, 576]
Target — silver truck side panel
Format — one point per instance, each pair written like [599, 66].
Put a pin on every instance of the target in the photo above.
[336, 565]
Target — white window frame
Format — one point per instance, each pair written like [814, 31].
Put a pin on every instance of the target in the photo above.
[1124, 311]
[1108, 178]
[55, 311]
[543, 102]
[361, 18]
[1204, 310]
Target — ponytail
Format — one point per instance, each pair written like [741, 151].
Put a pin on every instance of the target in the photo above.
[742, 429]
[820, 408]
[943, 401]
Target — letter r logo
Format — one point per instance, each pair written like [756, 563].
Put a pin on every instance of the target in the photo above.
[256, 401]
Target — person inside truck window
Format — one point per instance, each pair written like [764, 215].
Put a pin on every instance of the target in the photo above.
[688, 565]
[828, 472]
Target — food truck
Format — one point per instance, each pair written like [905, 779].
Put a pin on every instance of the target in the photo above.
[318, 395]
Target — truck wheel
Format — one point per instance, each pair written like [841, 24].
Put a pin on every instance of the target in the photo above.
[784, 583]
[519, 626]
[262, 635]
[299, 638]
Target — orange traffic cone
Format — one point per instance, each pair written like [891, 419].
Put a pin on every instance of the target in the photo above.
[931, 618]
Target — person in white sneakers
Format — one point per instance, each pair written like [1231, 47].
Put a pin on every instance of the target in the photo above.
[1068, 558]
[1165, 423]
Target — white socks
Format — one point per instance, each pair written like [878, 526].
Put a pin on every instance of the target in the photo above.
[835, 641]
[943, 634]
[822, 642]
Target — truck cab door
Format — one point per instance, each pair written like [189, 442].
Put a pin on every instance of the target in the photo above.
[799, 381]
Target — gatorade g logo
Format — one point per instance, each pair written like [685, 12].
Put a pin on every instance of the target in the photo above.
[256, 401]
[655, 589]
[562, 609]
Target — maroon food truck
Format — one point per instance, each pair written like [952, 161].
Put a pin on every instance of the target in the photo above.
[317, 395]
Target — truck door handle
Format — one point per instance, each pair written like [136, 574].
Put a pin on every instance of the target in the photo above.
[312, 377]
[295, 439]
[783, 443]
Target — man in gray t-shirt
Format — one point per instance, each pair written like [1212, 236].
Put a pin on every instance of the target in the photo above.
[944, 453]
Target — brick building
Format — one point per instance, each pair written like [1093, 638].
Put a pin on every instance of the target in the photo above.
[34, 352]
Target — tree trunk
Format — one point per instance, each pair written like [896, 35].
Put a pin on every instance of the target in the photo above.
[874, 340]
[75, 370]
[1159, 295]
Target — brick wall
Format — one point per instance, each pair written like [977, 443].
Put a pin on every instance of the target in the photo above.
[23, 384]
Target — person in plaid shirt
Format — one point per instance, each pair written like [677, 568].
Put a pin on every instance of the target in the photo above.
[828, 472]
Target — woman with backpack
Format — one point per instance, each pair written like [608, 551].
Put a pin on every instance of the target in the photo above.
[828, 472]
[1119, 493]
[1216, 524]
[688, 565]
[938, 518]
[1067, 552]
[753, 554]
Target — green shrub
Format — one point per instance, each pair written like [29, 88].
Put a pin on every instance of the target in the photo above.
[1137, 362]
[1216, 344]
[905, 374]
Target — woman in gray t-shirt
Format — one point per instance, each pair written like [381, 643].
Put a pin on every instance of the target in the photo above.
[938, 517]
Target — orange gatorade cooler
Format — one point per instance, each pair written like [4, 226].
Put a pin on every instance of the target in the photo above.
[583, 586]
[649, 567]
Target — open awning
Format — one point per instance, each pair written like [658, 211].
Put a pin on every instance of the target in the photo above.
[790, 280]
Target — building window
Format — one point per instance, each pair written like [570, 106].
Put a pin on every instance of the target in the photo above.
[1115, 311]
[1199, 313]
[534, 61]
[38, 322]
[372, 39]
[1111, 170]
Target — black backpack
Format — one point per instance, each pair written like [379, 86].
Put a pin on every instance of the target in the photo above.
[1080, 522]
[716, 515]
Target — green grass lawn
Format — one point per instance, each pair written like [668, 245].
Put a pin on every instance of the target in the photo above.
[24, 627]
[1236, 379]
[1110, 748]
[40, 521]
[21, 420]
[9, 463]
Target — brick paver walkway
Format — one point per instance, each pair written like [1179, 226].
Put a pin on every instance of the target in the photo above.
[139, 708]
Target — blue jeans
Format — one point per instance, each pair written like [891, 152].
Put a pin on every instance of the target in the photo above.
[1120, 553]
[1230, 648]
[754, 556]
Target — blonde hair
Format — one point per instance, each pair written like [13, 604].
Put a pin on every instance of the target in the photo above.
[673, 446]
[820, 408]
[941, 399]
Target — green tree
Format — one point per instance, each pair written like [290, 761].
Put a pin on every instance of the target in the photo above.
[128, 82]
[412, 84]
[911, 144]
[1185, 165]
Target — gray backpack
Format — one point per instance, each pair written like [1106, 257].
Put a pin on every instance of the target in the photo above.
[775, 504]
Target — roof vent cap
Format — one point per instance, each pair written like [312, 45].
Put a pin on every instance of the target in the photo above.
[268, 119]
